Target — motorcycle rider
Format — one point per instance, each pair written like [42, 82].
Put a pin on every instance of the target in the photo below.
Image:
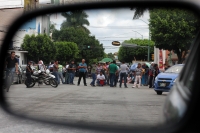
[41, 66]
[29, 71]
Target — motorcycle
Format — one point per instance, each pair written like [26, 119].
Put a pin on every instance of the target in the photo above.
[42, 77]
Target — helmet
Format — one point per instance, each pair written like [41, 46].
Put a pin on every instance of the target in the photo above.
[47, 71]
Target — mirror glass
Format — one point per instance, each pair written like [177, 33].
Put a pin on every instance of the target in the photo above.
[123, 59]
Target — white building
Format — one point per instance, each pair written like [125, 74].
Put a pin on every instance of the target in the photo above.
[5, 4]
[11, 9]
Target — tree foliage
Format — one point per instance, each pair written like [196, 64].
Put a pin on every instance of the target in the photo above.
[39, 47]
[66, 50]
[111, 55]
[83, 40]
[173, 29]
[76, 19]
[128, 54]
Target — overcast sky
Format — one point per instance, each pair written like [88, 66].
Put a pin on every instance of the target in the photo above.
[112, 25]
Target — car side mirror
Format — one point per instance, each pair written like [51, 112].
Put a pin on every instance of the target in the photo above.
[68, 36]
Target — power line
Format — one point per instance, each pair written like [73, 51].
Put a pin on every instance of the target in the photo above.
[120, 37]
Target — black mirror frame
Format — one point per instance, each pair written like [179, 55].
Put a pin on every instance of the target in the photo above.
[96, 5]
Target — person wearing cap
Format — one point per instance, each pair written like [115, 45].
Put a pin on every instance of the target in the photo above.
[29, 71]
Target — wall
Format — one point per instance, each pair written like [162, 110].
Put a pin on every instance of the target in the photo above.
[11, 4]
[18, 38]
[42, 24]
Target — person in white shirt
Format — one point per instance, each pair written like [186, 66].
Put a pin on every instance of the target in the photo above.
[67, 78]
[123, 74]
[100, 79]
[41, 66]
[129, 79]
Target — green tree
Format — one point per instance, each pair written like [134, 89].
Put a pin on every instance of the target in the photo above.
[173, 29]
[128, 54]
[39, 47]
[76, 19]
[111, 55]
[83, 40]
[66, 51]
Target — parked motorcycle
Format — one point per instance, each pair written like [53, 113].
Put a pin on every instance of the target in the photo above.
[42, 77]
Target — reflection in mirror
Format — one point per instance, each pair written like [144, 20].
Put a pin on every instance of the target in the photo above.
[68, 68]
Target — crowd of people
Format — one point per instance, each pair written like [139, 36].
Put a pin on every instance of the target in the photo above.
[107, 73]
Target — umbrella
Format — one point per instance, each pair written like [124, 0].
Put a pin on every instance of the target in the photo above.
[148, 64]
[107, 60]
[133, 66]
[101, 62]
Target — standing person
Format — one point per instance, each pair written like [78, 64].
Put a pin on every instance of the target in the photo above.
[72, 70]
[60, 74]
[55, 70]
[63, 71]
[93, 74]
[107, 74]
[82, 72]
[67, 73]
[155, 73]
[12, 65]
[51, 66]
[29, 71]
[123, 74]
[98, 68]
[112, 70]
[104, 70]
[116, 76]
[138, 75]
[146, 74]
[143, 74]
[89, 71]
[151, 70]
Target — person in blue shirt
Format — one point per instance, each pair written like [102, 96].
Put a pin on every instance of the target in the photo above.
[82, 72]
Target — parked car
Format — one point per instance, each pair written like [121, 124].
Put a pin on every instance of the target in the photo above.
[165, 80]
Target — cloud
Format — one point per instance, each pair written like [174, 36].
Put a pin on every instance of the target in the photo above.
[109, 25]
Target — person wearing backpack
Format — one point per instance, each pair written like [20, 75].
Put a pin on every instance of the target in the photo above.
[151, 71]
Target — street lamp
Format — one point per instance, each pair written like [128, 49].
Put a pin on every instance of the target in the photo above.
[138, 33]
[149, 38]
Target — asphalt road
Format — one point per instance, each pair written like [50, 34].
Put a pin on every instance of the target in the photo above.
[110, 106]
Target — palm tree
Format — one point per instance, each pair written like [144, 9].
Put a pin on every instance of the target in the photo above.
[76, 19]
[139, 11]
